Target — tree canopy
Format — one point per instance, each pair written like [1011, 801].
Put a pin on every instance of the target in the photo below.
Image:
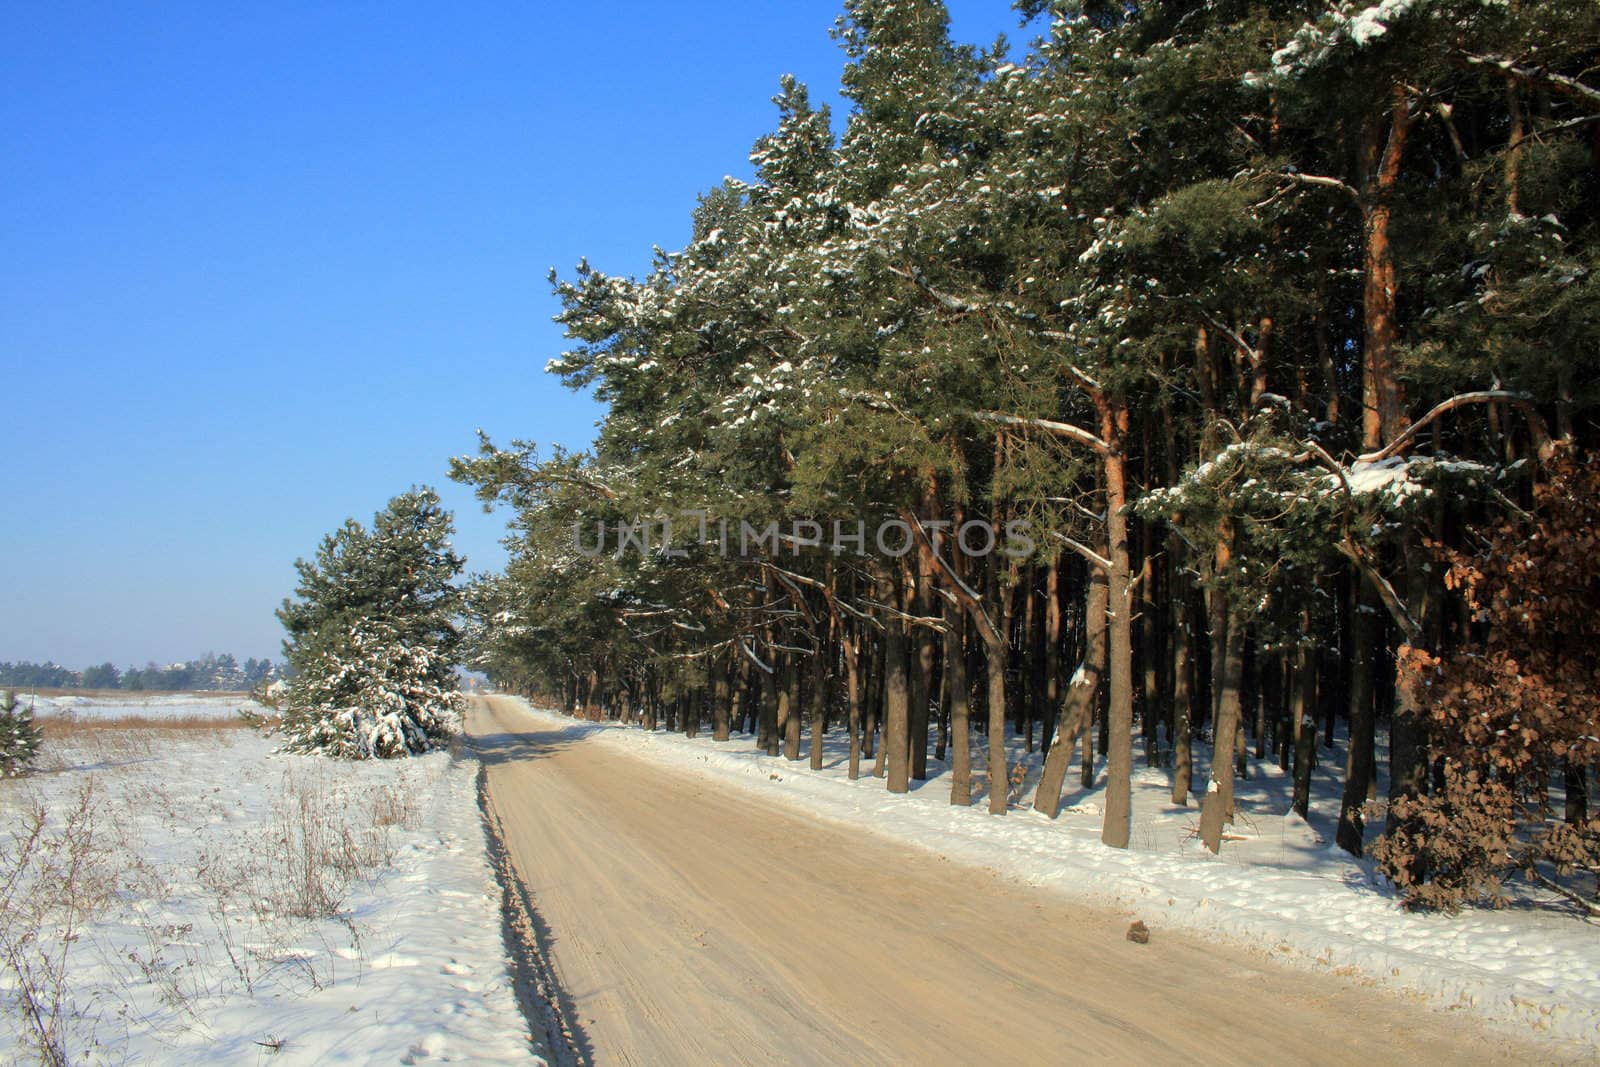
[1237, 306]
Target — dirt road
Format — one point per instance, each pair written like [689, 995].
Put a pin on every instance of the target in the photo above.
[691, 925]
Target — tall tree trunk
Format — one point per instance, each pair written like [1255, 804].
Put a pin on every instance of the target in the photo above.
[896, 696]
[1381, 150]
[591, 697]
[1359, 768]
[1577, 793]
[721, 699]
[997, 651]
[922, 652]
[817, 703]
[1150, 696]
[1408, 750]
[1513, 165]
[789, 707]
[1305, 722]
[1079, 700]
[955, 652]
[750, 698]
[1217, 807]
[1086, 769]
[1052, 655]
[1182, 693]
[1289, 720]
[942, 747]
[876, 749]
[851, 646]
[1032, 660]
[1269, 673]
[768, 733]
[1119, 711]
[1182, 621]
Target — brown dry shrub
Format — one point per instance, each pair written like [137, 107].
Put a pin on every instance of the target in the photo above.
[1516, 703]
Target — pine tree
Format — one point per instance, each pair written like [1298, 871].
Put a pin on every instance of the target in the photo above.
[1249, 254]
[369, 694]
[19, 736]
[372, 636]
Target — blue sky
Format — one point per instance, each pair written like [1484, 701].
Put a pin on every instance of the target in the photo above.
[265, 268]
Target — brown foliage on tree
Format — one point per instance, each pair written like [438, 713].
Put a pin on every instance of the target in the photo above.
[1514, 705]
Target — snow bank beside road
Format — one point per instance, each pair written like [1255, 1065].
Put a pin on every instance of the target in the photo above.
[1283, 891]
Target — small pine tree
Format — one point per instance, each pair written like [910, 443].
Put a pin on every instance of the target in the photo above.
[19, 736]
[373, 640]
[372, 695]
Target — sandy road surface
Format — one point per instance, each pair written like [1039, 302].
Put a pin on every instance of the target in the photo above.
[692, 925]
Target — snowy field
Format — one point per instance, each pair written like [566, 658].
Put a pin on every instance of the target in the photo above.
[193, 897]
[1280, 886]
[135, 705]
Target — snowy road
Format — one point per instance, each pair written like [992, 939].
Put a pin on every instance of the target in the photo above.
[689, 924]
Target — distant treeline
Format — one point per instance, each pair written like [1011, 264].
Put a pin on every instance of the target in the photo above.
[210, 671]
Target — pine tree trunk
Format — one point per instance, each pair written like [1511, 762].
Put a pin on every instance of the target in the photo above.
[1079, 700]
[1289, 719]
[1149, 644]
[1283, 728]
[1217, 807]
[749, 693]
[896, 701]
[851, 647]
[997, 651]
[1360, 765]
[1305, 736]
[817, 702]
[1182, 697]
[722, 699]
[871, 658]
[789, 708]
[922, 651]
[1337, 693]
[1381, 151]
[955, 652]
[1267, 674]
[1032, 659]
[942, 747]
[1051, 707]
[875, 735]
[768, 733]
[1408, 751]
[1087, 776]
[1577, 793]
[1119, 712]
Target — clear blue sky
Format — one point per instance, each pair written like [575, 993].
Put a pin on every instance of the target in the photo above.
[266, 266]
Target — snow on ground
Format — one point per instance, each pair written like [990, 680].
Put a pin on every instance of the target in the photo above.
[1285, 889]
[236, 905]
[137, 705]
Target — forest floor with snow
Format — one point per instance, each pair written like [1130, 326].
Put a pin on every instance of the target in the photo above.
[174, 890]
[1280, 886]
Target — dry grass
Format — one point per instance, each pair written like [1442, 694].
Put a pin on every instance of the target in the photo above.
[70, 727]
[59, 875]
[128, 695]
[70, 741]
[265, 900]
